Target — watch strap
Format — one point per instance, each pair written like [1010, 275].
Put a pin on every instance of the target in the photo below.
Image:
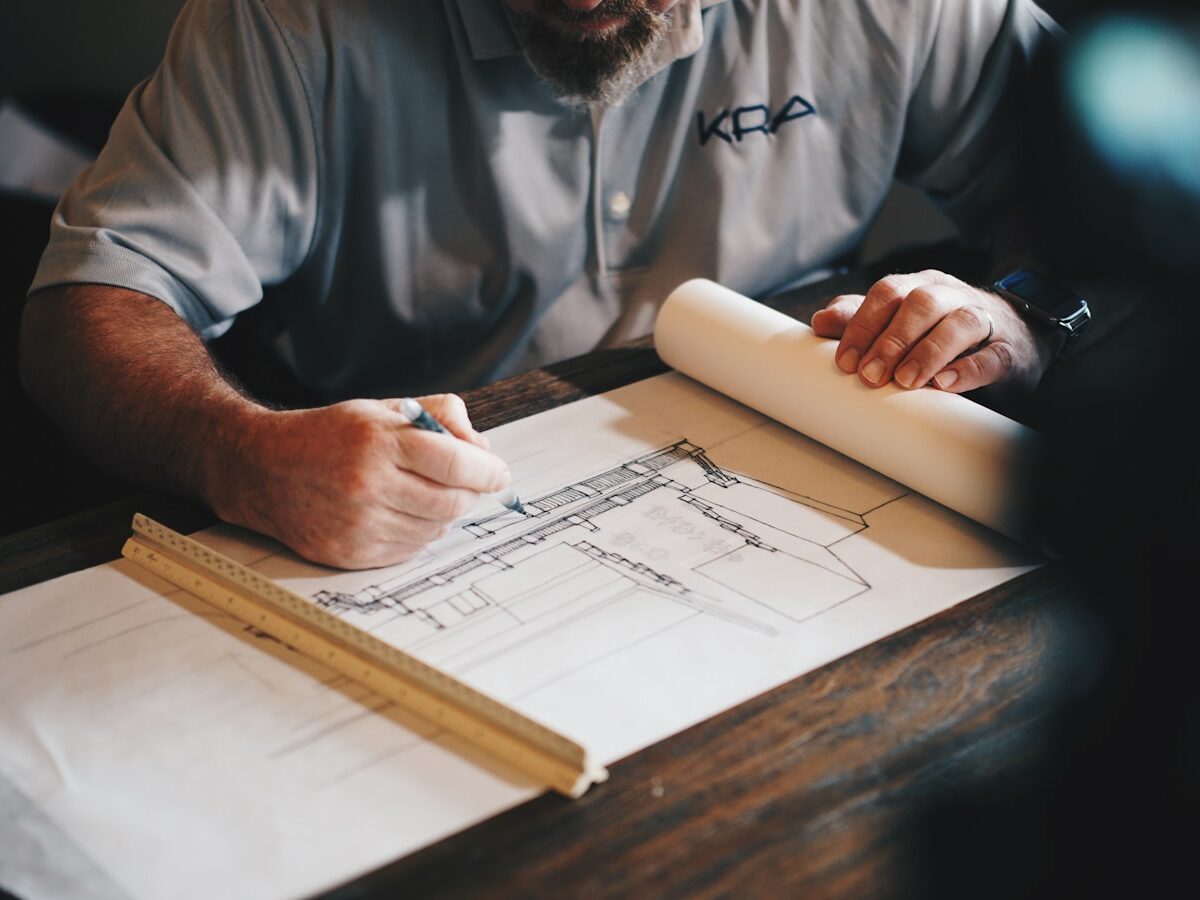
[1057, 312]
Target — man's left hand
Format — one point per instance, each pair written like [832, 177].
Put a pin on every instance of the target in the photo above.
[931, 328]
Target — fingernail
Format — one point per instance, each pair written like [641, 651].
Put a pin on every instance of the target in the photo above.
[907, 373]
[848, 361]
[945, 380]
[873, 371]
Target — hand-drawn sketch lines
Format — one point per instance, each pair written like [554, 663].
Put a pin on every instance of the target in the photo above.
[668, 531]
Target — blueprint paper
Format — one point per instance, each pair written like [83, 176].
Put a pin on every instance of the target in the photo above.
[683, 553]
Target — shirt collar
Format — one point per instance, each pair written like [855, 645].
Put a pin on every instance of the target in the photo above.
[491, 37]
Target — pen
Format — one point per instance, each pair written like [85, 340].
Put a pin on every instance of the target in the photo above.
[420, 417]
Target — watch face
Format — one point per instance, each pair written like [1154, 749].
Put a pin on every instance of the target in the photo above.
[1044, 296]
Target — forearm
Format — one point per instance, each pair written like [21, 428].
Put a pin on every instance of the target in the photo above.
[352, 484]
[133, 386]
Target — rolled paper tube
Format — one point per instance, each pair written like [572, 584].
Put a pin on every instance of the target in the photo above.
[963, 455]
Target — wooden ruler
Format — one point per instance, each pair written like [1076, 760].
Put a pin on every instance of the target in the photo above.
[500, 731]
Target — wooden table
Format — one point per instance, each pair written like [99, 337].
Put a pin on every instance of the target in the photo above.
[818, 788]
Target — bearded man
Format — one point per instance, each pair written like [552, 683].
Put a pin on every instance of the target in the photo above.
[453, 191]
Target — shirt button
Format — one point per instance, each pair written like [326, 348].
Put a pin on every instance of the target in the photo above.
[619, 205]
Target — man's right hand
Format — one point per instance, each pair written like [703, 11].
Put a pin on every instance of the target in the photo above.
[351, 485]
[355, 485]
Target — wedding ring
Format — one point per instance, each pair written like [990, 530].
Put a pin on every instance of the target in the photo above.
[991, 331]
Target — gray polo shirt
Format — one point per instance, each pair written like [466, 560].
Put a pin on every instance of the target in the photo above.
[439, 220]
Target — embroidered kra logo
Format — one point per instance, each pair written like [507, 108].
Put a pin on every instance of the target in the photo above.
[734, 124]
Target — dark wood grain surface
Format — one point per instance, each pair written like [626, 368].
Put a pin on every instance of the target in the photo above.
[821, 787]
[818, 788]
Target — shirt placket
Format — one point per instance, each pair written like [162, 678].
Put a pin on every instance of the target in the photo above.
[612, 197]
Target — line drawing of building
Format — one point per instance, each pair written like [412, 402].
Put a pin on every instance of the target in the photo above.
[668, 532]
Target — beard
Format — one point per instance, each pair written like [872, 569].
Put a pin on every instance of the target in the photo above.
[588, 68]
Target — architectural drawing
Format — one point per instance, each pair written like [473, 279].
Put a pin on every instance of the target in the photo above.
[668, 530]
[655, 582]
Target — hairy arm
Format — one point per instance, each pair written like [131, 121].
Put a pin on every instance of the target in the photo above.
[125, 378]
[352, 484]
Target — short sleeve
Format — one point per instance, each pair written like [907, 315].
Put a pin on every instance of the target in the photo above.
[961, 143]
[207, 187]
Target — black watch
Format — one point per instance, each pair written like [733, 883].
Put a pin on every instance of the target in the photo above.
[1056, 310]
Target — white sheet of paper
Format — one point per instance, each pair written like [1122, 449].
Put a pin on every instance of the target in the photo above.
[942, 445]
[34, 160]
[684, 554]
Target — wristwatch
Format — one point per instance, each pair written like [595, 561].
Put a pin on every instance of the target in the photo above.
[1057, 311]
